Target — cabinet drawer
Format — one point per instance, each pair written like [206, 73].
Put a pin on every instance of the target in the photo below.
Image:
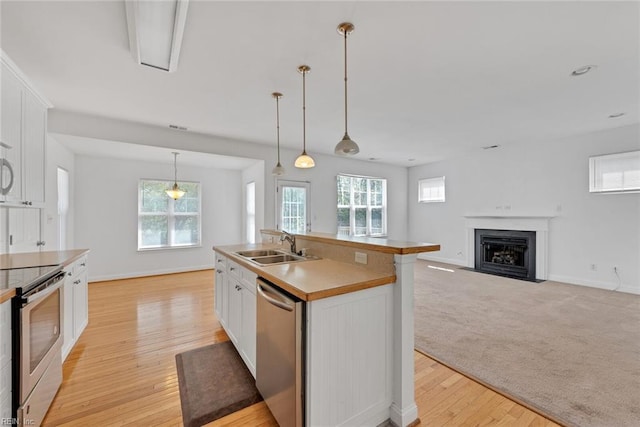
[249, 280]
[234, 269]
[221, 262]
[80, 265]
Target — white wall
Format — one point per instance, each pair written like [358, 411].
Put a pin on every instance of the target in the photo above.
[542, 177]
[322, 177]
[106, 195]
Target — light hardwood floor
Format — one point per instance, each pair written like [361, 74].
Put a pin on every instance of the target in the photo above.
[122, 370]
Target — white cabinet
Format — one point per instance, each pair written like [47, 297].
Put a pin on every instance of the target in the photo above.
[76, 303]
[235, 305]
[220, 297]
[25, 226]
[24, 128]
[11, 132]
[5, 360]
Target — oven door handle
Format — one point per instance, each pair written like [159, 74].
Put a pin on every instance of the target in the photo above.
[42, 294]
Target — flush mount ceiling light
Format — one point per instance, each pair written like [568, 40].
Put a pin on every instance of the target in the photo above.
[175, 192]
[155, 31]
[304, 161]
[582, 70]
[346, 147]
[278, 170]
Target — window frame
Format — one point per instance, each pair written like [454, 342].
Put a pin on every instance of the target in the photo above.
[369, 206]
[280, 184]
[171, 217]
[596, 176]
[436, 179]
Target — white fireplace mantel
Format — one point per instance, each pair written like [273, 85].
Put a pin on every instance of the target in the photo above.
[537, 223]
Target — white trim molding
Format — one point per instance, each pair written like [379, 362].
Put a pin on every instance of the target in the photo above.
[537, 223]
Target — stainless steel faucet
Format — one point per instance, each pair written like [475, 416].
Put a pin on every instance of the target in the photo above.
[289, 238]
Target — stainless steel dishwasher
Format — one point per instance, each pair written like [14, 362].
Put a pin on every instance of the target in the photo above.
[280, 353]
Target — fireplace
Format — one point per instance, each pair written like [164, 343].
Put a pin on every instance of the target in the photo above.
[506, 253]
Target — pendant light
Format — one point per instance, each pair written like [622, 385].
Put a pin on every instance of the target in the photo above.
[346, 147]
[175, 192]
[304, 161]
[278, 170]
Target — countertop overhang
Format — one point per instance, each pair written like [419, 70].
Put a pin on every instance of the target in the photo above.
[311, 279]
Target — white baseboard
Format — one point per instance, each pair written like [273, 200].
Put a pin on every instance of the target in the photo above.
[454, 261]
[610, 286]
[135, 274]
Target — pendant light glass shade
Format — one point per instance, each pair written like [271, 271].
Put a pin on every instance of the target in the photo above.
[347, 146]
[278, 170]
[304, 161]
[175, 192]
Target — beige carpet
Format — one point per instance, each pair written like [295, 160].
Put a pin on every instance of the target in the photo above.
[570, 351]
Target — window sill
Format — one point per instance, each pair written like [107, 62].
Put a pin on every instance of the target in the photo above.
[170, 248]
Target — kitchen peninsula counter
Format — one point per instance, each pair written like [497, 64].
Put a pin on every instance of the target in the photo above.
[310, 279]
[359, 321]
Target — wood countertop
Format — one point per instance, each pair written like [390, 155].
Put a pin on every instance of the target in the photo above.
[312, 279]
[36, 259]
[378, 244]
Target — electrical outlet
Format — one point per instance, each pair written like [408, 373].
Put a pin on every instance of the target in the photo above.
[594, 267]
[361, 258]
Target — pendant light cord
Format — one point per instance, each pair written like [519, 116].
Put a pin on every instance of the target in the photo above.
[175, 168]
[278, 124]
[304, 115]
[345, 82]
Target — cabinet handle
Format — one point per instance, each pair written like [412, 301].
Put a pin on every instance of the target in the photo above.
[84, 264]
[69, 274]
[232, 269]
[41, 243]
[27, 203]
[77, 282]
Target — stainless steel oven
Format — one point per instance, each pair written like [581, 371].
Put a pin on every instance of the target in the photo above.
[37, 341]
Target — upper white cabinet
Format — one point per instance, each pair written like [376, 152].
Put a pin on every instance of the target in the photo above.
[23, 128]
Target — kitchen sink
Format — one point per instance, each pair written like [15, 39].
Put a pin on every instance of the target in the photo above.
[276, 259]
[271, 256]
[258, 252]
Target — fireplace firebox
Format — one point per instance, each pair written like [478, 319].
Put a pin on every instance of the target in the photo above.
[506, 253]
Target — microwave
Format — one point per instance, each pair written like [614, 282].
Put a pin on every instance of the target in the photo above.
[6, 172]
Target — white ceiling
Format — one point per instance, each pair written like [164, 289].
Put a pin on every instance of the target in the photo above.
[427, 80]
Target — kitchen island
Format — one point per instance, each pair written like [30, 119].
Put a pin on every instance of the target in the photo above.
[359, 321]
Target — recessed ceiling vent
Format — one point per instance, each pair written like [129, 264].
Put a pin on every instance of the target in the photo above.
[176, 127]
[490, 147]
[155, 31]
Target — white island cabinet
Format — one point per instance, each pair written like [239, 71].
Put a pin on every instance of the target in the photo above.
[5, 360]
[358, 328]
[235, 306]
[76, 303]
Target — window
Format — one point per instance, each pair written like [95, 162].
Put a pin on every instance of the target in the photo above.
[362, 206]
[431, 190]
[164, 222]
[615, 173]
[293, 206]
[251, 212]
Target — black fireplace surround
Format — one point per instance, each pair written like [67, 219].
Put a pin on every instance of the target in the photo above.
[506, 253]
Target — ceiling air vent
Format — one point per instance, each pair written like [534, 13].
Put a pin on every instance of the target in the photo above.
[176, 127]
